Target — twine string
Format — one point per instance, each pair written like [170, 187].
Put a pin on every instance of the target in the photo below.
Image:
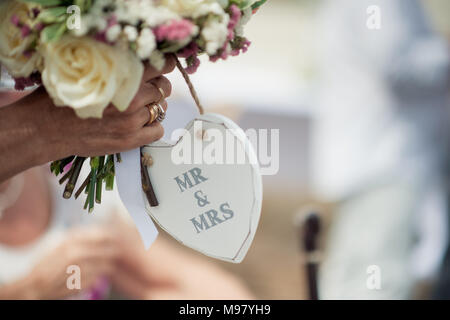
[190, 85]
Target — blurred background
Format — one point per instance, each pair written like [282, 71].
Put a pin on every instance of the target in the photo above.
[359, 91]
[362, 115]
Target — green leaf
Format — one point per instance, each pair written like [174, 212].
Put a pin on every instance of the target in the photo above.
[51, 15]
[84, 5]
[242, 4]
[53, 32]
[45, 3]
[258, 4]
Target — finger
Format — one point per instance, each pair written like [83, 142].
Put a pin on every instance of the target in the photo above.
[93, 273]
[151, 72]
[149, 93]
[163, 83]
[164, 105]
[130, 285]
[92, 236]
[115, 143]
[143, 116]
[88, 253]
[150, 133]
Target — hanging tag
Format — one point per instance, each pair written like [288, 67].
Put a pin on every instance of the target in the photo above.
[208, 187]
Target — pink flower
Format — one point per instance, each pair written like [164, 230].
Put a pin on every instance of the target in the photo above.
[28, 53]
[193, 65]
[176, 30]
[22, 83]
[101, 37]
[39, 26]
[111, 21]
[25, 30]
[15, 20]
[245, 45]
[214, 58]
[235, 16]
[36, 12]
[188, 51]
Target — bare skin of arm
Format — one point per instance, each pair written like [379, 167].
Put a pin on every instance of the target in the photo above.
[33, 131]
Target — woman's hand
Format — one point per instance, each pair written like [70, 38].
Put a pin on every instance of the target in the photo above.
[94, 250]
[168, 272]
[33, 131]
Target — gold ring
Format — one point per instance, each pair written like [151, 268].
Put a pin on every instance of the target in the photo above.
[163, 95]
[156, 110]
[157, 113]
[154, 113]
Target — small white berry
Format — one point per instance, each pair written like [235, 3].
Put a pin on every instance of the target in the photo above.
[131, 33]
[113, 33]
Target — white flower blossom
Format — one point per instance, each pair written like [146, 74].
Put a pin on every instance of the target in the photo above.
[215, 33]
[224, 3]
[146, 43]
[159, 16]
[157, 60]
[194, 8]
[131, 33]
[12, 44]
[88, 75]
[113, 32]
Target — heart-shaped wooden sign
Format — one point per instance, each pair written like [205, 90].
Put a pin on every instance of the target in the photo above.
[208, 186]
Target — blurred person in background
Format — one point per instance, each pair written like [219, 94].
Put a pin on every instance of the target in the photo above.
[380, 147]
[42, 235]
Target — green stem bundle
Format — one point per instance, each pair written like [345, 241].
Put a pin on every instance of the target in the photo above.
[102, 170]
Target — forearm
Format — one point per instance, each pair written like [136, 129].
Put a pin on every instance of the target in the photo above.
[21, 142]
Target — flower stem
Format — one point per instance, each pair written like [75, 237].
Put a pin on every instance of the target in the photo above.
[99, 183]
[66, 176]
[109, 182]
[95, 162]
[70, 186]
[83, 186]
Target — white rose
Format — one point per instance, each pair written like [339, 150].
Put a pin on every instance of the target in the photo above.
[87, 75]
[12, 45]
[193, 8]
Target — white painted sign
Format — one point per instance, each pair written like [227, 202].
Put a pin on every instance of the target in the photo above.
[208, 204]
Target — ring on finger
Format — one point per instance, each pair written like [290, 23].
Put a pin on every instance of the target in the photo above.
[154, 113]
[161, 113]
[163, 95]
[157, 113]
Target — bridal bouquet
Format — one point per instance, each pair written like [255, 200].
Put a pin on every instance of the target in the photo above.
[90, 53]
